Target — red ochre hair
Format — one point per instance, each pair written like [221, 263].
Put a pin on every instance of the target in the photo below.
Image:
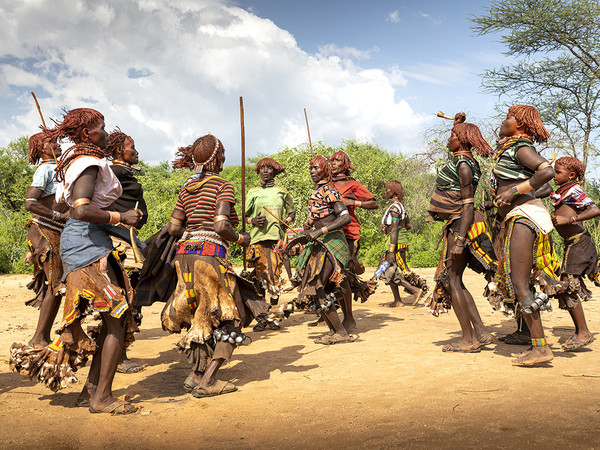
[116, 142]
[572, 165]
[343, 156]
[532, 120]
[469, 134]
[36, 147]
[278, 168]
[396, 187]
[73, 124]
[199, 153]
[322, 163]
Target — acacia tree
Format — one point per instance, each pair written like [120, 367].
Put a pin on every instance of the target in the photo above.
[565, 84]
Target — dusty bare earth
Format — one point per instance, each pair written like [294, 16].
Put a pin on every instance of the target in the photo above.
[392, 388]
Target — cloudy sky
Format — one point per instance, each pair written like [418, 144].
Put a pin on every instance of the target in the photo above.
[167, 72]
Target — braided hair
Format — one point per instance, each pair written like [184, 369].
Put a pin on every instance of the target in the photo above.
[277, 168]
[201, 155]
[346, 163]
[572, 165]
[530, 117]
[396, 187]
[469, 134]
[116, 142]
[36, 147]
[322, 163]
[72, 126]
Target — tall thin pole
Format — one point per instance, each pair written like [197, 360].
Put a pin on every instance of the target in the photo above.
[243, 173]
[308, 129]
[43, 122]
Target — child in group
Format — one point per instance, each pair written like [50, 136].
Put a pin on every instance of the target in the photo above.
[572, 207]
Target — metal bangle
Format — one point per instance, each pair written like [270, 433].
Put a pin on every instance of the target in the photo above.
[324, 230]
[220, 218]
[543, 165]
[114, 218]
[31, 199]
[357, 203]
[240, 238]
[55, 215]
[466, 201]
[176, 222]
[81, 201]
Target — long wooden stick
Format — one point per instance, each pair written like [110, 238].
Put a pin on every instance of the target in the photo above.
[243, 173]
[312, 154]
[282, 222]
[43, 122]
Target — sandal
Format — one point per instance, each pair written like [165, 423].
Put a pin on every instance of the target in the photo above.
[260, 326]
[219, 388]
[117, 408]
[457, 347]
[573, 344]
[82, 402]
[128, 366]
[487, 339]
[334, 339]
[518, 339]
[189, 384]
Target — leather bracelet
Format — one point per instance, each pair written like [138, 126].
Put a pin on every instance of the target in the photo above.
[240, 238]
[324, 230]
[176, 222]
[357, 203]
[220, 218]
[81, 201]
[115, 217]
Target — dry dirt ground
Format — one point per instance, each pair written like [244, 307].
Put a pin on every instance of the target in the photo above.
[393, 387]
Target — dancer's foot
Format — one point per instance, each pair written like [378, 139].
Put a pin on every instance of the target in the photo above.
[534, 355]
[462, 347]
[417, 297]
[394, 304]
[38, 342]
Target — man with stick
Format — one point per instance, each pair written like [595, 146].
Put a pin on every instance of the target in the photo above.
[266, 206]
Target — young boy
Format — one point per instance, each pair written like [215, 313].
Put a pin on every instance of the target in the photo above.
[572, 207]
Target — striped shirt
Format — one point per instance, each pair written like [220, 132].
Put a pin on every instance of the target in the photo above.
[509, 166]
[199, 197]
[448, 179]
[320, 204]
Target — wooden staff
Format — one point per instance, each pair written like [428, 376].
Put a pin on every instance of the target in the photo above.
[243, 173]
[312, 155]
[282, 222]
[43, 122]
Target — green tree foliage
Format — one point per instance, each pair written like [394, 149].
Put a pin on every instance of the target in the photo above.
[558, 69]
[15, 179]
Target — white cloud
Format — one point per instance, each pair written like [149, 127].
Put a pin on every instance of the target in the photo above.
[393, 17]
[167, 73]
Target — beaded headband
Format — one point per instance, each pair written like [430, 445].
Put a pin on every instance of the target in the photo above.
[200, 166]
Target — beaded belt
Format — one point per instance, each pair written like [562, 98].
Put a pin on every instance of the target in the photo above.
[49, 223]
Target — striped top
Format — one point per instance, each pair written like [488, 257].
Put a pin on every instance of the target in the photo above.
[448, 179]
[199, 197]
[320, 204]
[509, 166]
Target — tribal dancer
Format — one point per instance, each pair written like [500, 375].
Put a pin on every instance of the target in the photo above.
[524, 241]
[572, 207]
[354, 195]
[43, 237]
[124, 157]
[96, 281]
[395, 224]
[208, 290]
[453, 200]
[267, 231]
[326, 255]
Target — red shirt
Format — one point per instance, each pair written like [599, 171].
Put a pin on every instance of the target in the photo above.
[352, 189]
